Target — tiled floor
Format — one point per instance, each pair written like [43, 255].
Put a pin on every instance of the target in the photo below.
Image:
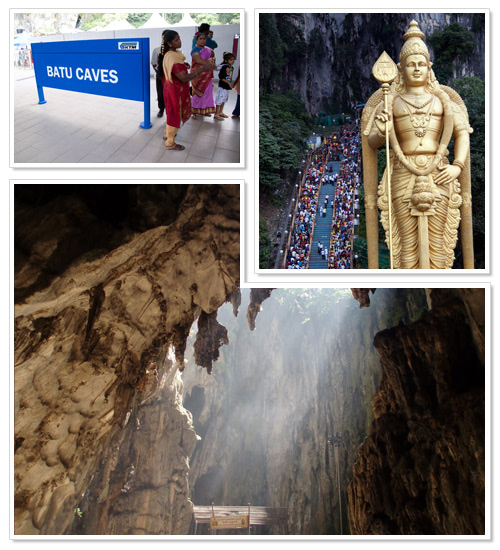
[81, 128]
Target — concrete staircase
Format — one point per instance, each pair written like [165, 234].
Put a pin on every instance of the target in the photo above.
[323, 225]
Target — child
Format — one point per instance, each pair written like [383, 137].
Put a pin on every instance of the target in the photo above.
[225, 84]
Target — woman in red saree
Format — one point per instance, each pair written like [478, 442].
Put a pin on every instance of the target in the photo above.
[175, 86]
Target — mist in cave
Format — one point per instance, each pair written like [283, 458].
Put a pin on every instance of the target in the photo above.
[281, 397]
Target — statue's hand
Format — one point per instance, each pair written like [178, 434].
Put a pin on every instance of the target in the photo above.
[383, 121]
[447, 175]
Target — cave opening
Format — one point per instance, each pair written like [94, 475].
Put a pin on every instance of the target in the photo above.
[283, 396]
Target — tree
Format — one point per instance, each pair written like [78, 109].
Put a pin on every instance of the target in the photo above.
[172, 18]
[138, 19]
[283, 129]
[92, 20]
[231, 18]
[455, 44]
[271, 60]
[210, 18]
[264, 244]
[216, 18]
[45, 23]
[23, 21]
[313, 303]
[269, 150]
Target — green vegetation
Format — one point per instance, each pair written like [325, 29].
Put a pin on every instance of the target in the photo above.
[284, 128]
[264, 244]
[172, 18]
[325, 119]
[281, 43]
[452, 46]
[478, 22]
[271, 60]
[138, 19]
[50, 23]
[284, 124]
[407, 305]
[313, 303]
[216, 18]
[88, 21]
[269, 170]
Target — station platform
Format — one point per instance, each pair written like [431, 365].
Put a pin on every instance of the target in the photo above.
[80, 128]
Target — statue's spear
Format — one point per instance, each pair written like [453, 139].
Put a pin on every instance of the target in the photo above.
[385, 71]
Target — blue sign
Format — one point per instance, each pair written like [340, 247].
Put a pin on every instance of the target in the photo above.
[113, 68]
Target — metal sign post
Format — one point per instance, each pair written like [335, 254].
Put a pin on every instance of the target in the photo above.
[336, 441]
[113, 68]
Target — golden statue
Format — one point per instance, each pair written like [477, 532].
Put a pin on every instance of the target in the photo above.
[429, 197]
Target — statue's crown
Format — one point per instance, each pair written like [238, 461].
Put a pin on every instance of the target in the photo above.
[414, 43]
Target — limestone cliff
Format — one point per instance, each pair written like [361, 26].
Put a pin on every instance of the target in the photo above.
[421, 469]
[109, 280]
[333, 53]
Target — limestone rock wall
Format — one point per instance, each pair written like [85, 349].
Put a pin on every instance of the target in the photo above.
[422, 469]
[104, 306]
[340, 49]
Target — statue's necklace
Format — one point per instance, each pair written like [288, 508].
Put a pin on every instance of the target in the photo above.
[419, 118]
[417, 100]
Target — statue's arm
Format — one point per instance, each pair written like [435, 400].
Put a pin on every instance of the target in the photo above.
[382, 120]
[453, 171]
[462, 145]
[461, 130]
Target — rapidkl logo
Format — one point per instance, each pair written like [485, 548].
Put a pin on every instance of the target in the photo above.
[128, 45]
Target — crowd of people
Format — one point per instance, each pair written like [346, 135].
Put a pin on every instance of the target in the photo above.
[184, 89]
[343, 200]
[346, 184]
[306, 211]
